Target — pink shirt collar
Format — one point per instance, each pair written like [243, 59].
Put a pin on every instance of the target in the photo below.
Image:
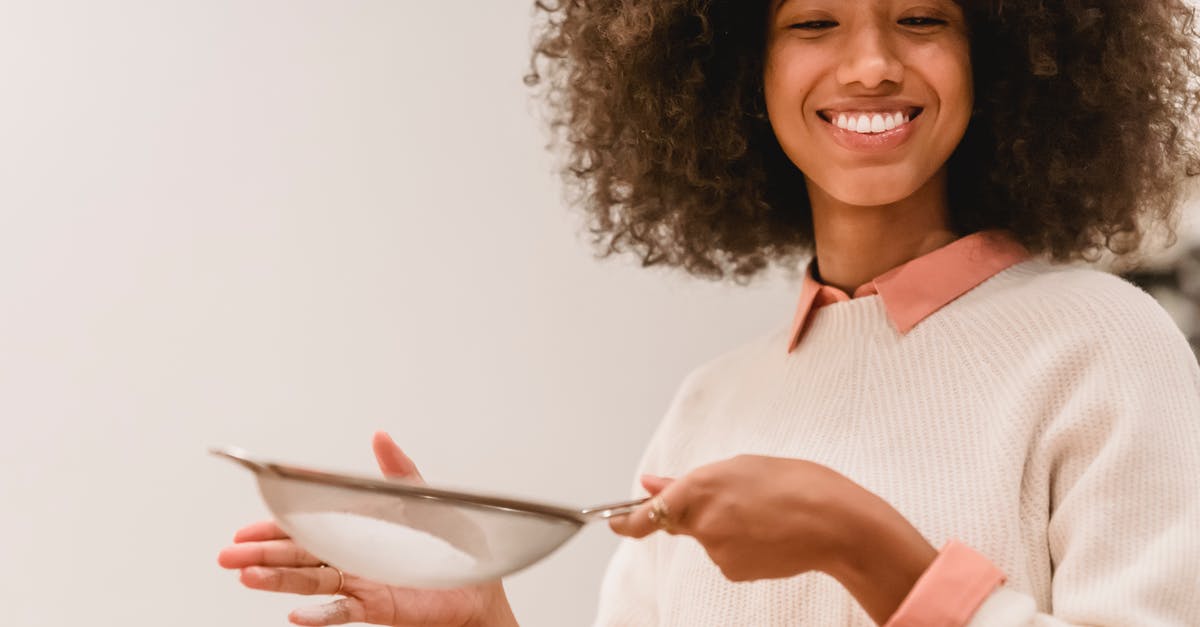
[914, 290]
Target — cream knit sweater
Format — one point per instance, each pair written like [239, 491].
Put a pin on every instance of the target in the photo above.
[1049, 418]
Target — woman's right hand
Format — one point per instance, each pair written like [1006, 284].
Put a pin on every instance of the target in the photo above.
[270, 560]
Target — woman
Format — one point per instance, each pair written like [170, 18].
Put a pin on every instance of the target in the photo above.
[956, 428]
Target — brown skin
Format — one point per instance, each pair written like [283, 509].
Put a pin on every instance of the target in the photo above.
[871, 211]
[856, 244]
[805, 517]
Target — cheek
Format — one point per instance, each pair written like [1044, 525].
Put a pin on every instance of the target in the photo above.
[787, 83]
[778, 100]
[958, 109]
[949, 75]
[958, 91]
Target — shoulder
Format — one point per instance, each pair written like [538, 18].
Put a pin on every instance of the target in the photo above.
[690, 424]
[712, 382]
[1067, 300]
[764, 350]
[1040, 322]
[1057, 282]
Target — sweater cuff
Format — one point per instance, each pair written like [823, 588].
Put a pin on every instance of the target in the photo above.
[949, 591]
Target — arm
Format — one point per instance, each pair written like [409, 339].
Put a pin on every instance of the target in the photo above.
[1121, 463]
[843, 529]
[1119, 459]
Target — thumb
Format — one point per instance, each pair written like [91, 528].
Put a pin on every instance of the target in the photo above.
[392, 461]
[655, 484]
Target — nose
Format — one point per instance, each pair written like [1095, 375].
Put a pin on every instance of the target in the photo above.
[869, 59]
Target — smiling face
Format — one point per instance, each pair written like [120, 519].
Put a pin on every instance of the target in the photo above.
[868, 98]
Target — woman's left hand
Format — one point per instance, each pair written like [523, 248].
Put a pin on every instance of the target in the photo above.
[763, 517]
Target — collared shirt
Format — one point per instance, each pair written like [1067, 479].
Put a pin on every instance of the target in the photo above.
[1044, 374]
[915, 290]
[960, 579]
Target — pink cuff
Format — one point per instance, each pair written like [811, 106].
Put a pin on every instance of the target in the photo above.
[949, 591]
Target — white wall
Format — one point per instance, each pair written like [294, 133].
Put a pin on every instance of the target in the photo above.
[283, 224]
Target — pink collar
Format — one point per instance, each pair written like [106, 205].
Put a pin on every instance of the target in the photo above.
[916, 289]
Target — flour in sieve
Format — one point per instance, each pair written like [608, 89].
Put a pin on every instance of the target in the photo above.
[380, 550]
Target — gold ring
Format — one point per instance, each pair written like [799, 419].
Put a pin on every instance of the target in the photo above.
[659, 514]
[341, 578]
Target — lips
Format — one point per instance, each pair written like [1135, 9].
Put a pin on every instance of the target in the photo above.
[875, 136]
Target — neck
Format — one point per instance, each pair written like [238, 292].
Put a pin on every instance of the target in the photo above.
[855, 244]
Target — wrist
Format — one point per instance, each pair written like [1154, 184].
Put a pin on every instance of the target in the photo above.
[497, 612]
[882, 558]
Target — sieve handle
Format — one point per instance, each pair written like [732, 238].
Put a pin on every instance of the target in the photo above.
[615, 509]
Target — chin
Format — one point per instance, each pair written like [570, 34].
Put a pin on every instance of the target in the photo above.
[872, 192]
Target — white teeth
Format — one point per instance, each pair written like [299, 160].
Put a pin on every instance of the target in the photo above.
[869, 123]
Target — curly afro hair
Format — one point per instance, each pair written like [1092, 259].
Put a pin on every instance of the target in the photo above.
[1082, 135]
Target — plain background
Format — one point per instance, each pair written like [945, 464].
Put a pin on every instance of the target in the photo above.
[284, 224]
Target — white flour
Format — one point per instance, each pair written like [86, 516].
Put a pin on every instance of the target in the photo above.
[382, 551]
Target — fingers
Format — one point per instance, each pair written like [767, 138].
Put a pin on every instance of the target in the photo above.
[634, 525]
[259, 531]
[311, 580]
[392, 461]
[337, 613]
[654, 484]
[266, 553]
[638, 523]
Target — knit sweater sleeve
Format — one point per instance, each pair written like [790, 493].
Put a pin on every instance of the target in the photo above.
[1121, 461]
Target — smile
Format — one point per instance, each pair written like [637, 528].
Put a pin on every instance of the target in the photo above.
[869, 122]
[871, 132]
